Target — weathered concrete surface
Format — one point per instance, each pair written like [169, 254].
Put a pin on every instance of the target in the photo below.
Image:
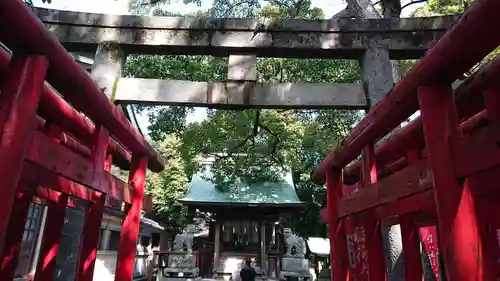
[377, 73]
[108, 66]
[242, 68]
[240, 94]
[335, 38]
[107, 69]
[393, 246]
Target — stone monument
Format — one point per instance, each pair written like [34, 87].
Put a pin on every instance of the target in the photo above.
[294, 263]
[182, 261]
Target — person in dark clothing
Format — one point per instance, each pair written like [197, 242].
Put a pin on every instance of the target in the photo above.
[248, 273]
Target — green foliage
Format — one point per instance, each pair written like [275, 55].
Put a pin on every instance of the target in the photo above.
[195, 68]
[247, 145]
[290, 9]
[233, 8]
[434, 8]
[405, 66]
[495, 53]
[447, 7]
[322, 131]
[441, 7]
[172, 120]
[280, 9]
[276, 70]
[168, 186]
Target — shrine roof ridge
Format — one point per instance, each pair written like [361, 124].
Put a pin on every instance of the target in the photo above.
[202, 191]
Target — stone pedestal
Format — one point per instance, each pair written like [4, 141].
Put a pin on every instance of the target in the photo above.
[295, 267]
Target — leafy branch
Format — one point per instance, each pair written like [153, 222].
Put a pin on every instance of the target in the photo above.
[258, 127]
[412, 3]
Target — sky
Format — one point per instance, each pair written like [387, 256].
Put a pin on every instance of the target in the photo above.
[121, 7]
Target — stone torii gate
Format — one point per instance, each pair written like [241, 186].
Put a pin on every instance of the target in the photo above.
[243, 40]
[359, 32]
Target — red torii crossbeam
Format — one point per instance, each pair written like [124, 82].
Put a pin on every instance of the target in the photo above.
[442, 169]
[51, 153]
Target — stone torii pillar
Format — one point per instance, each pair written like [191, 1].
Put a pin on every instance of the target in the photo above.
[379, 74]
[108, 67]
[242, 70]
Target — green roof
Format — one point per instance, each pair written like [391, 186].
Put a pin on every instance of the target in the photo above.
[274, 194]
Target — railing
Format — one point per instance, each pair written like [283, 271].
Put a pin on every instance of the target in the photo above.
[442, 169]
[60, 137]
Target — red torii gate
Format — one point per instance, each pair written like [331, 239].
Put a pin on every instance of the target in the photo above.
[443, 169]
[52, 152]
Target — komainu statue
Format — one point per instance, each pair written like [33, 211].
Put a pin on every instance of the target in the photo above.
[184, 241]
[295, 245]
[181, 263]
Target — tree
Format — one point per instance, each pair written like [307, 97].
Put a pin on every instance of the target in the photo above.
[168, 186]
[172, 119]
[240, 8]
[288, 9]
[451, 7]
[250, 145]
[441, 7]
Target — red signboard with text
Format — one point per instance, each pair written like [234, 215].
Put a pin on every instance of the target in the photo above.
[356, 241]
[430, 239]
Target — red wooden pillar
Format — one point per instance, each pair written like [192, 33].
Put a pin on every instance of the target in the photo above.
[459, 237]
[495, 249]
[52, 131]
[489, 247]
[369, 169]
[486, 208]
[14, 239]
[51, 237]
[94, 212]
[374, 239]
[411, 250]
[18, 103]
[338, 243]
[410, 237]
[131, 222]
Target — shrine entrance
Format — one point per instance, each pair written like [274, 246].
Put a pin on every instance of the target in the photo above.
[61, 136]
[373, 43]
[247, 224]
